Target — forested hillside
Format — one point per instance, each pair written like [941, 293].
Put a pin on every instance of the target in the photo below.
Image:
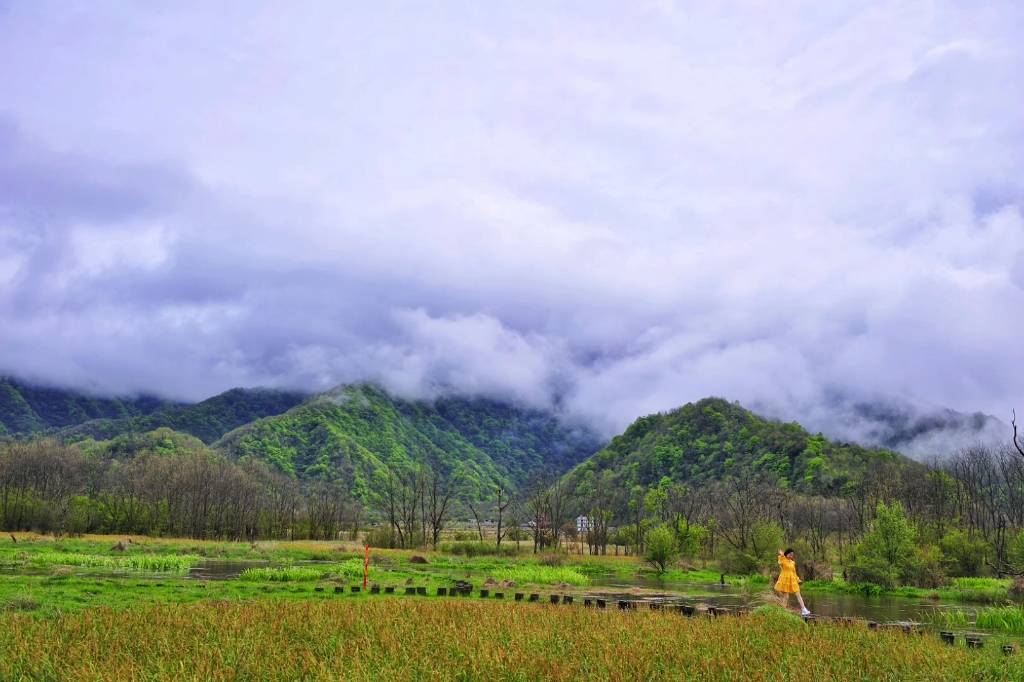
[208, 421]
[350, 432]
[712, 440]
[27, 409]
[521, 441]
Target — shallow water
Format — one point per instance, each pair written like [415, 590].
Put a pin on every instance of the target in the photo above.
[884, 608]
[215, 569]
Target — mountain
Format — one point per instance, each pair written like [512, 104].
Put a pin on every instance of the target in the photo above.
[924, 433]
[25, 408]
[207, 420]
[520, 440]
[713, 439]
[350, 431]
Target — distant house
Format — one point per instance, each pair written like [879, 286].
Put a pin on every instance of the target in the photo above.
[584, 524]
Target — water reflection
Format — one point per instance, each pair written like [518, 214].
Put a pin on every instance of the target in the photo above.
[830, 605]
[223, 569]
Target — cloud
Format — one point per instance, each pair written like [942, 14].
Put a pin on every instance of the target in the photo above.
[619, 208]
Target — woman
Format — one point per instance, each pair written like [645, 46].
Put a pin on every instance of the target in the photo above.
[788, 582]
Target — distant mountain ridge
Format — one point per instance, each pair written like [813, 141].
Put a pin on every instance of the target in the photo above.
[26, 408]
[352, 431]
[208, 420]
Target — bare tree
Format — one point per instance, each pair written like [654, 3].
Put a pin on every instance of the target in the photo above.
[535, 506]
[442, 492]
[1017, 445]
[504, 499]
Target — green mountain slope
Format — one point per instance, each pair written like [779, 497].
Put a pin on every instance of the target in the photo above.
[351, 431]
[520, 441]
[207, 420]
[712, 440]
[27, 409]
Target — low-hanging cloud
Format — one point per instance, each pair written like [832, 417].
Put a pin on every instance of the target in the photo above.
[617, 210]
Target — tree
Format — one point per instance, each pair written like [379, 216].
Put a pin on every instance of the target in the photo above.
[660, 548]
[443, 490]
[502, 503]
[885, 556]
[535, 503]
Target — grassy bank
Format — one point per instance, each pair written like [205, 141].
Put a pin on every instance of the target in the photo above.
[1009, 619]
[389, 639]
[977, 590]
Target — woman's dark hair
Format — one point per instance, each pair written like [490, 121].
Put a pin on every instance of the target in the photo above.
[788, 552]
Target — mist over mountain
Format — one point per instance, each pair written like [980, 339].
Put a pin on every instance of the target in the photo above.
[920, 433]
[27, 408]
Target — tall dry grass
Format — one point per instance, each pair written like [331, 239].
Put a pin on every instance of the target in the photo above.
[398, 640]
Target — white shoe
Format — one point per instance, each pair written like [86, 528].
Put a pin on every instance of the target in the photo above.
[804, 612]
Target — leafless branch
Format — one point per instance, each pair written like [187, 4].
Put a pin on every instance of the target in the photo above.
[1015, 443]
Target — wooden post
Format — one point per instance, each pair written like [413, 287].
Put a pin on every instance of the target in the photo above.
[519, 596]
[442, 592]
[422, 591]
[554, 599]
[390, 589]
[485, 593]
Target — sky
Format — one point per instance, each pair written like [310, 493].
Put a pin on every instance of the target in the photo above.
[614, 207]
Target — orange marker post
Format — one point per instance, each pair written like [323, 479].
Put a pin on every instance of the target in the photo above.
[366, 567]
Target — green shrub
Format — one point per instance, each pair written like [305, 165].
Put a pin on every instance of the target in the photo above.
[963, 555]
[887, 554]
[660, 549]
[381, 537]
[760, 553]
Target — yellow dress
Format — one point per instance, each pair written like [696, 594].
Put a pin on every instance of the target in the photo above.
[788, 582]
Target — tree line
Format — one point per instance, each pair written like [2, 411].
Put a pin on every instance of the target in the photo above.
[896, 522]
[162, 484]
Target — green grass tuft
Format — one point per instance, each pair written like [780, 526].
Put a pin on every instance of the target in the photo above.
[290, 574]
[541, 575]
[138, 562]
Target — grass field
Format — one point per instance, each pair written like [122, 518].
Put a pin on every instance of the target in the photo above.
[76, 609]
[421, 639]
